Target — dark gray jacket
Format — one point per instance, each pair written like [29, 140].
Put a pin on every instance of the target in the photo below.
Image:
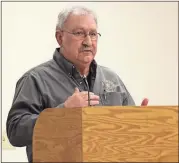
[48, 86]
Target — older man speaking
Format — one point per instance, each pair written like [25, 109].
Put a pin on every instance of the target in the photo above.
[71, 79]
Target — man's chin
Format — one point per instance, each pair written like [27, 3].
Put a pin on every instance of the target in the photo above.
[88, 59]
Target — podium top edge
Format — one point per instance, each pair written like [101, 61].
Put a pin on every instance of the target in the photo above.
[117, 107]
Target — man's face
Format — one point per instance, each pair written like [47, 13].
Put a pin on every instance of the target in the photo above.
[80, 51]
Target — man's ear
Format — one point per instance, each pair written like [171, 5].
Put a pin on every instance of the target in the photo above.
[58, 36]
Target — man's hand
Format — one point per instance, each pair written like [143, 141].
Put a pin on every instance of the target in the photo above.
[80, 99]
[145, 102]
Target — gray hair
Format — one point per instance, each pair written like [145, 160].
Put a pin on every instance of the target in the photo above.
[77, 10]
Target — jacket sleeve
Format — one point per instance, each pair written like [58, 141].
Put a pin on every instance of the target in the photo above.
[27, 105]
[128, 100]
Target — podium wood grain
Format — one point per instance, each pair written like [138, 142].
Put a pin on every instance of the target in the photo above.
[57, 137]
[107, 134]
[130, 134]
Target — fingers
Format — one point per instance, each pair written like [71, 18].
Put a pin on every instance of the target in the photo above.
[91, 97]
[92, 102]
[86, 93]
[83, 92]
[94, 97]
[145, 102]
[76, 90]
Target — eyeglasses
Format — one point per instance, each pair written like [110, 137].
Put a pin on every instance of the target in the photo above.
[80, 35]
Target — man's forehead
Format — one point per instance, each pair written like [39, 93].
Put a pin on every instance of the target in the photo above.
[75, 28]
[81, 22]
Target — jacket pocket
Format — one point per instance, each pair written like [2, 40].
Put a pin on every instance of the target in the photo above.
[112, 98]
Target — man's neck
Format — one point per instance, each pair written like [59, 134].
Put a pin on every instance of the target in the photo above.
[83, 71]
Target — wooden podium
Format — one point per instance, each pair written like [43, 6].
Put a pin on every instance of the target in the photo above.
[107, 134]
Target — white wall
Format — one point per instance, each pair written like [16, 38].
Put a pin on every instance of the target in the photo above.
[139, 42]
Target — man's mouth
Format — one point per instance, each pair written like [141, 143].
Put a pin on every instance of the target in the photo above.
[87, 51]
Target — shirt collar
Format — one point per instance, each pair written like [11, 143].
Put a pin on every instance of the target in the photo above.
[69, 67]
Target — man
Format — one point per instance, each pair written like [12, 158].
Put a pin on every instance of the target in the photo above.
[71, 79]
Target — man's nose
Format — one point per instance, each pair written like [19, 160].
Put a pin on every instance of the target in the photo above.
[87, 41]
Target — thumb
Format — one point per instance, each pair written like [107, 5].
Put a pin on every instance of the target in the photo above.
[145, 102]
[76, 90]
